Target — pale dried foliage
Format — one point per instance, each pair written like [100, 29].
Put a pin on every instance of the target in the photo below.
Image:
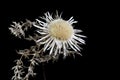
[37, 53]
[33, 56]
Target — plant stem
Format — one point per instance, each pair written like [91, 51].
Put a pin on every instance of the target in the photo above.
[43, 68]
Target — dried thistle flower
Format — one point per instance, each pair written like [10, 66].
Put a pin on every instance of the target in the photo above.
[57, 35]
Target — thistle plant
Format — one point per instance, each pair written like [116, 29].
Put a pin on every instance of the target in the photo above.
[54, 36]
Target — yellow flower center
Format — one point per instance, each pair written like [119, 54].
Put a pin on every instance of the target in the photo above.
[60, 29]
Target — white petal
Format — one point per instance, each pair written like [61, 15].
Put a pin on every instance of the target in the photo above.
[66, 44]
[48, 44]
[50, 17]
[45, 41]
[70, 18]
[77, 31]
[64, 49]
[59, 49]
[52, 46]
[39, 26]
[43, 38]
[75, 45]
[58, 43]
[47, 17]
[42, 32]
[71, 46]
[74, 22]
[75, 41]
[80, 35]
[79, 39]
[41, 23]
[56, 51]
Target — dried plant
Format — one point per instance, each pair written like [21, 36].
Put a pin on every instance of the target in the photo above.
[54, 35]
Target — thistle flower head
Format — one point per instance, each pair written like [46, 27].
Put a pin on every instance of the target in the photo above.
[60, 29]
[58, 34]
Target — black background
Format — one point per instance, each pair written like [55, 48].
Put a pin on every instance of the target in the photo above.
[91, 19]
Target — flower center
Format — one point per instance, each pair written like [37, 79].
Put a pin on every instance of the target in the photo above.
[60, 29]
